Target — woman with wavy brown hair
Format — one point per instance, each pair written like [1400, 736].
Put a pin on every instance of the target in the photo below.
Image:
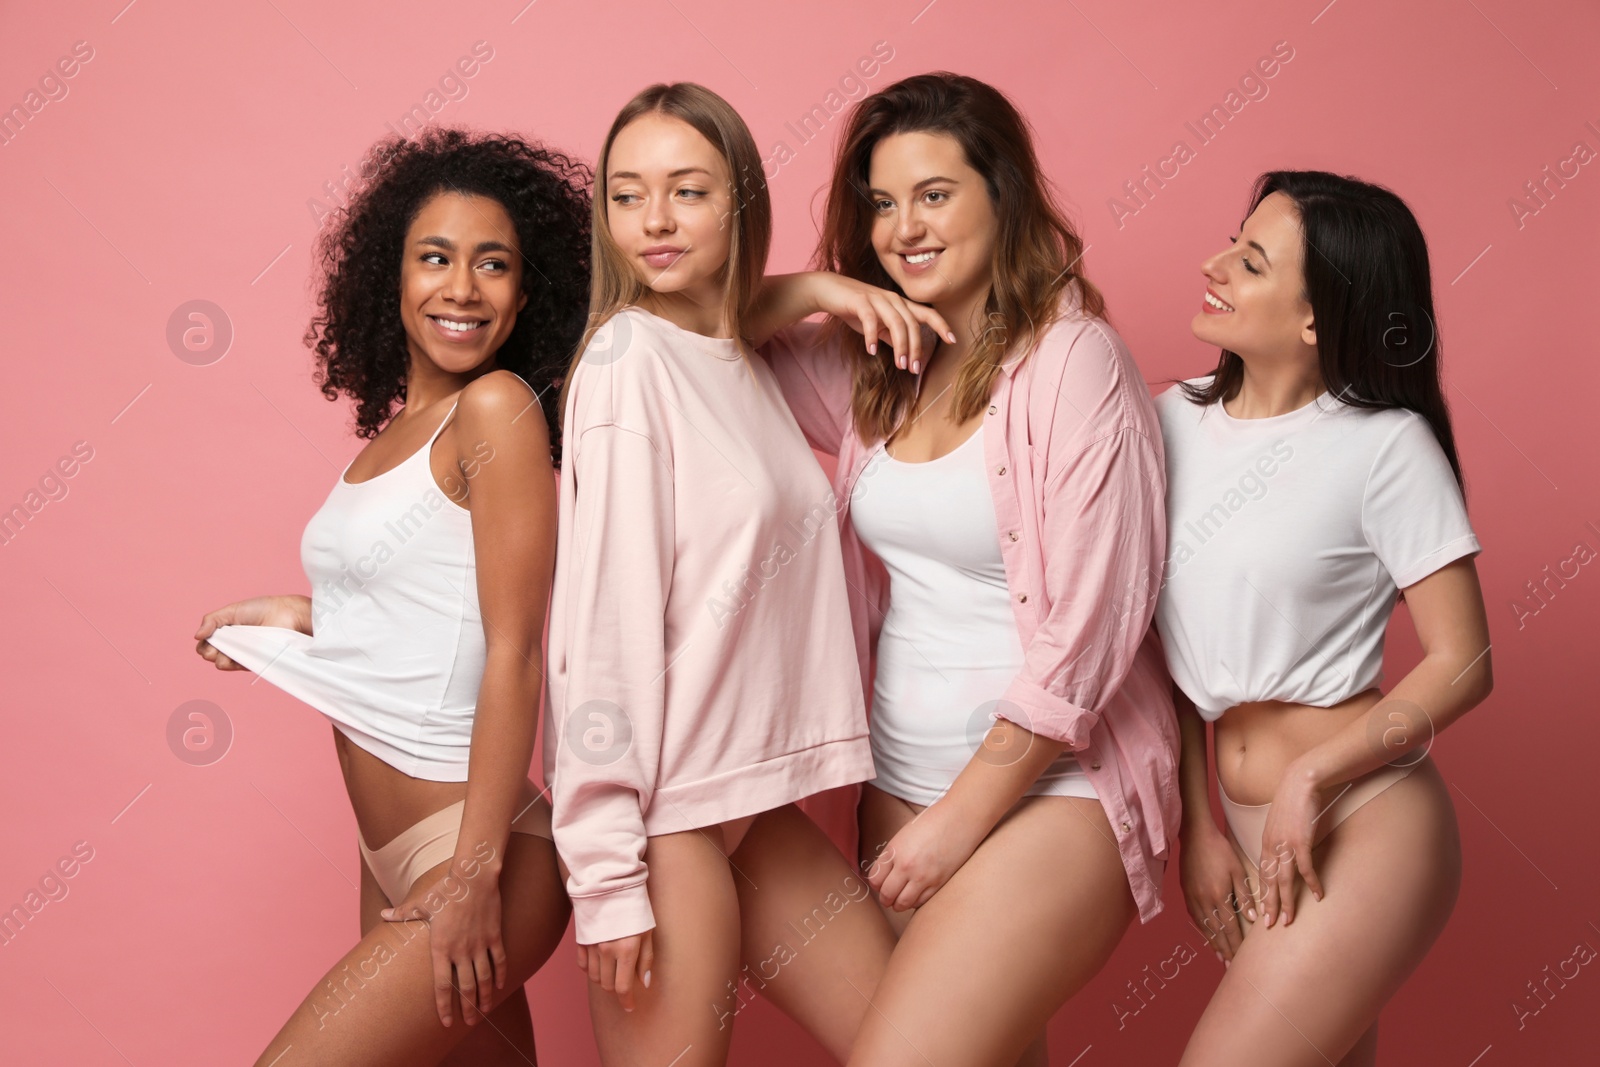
[1001, 502]
[451, 292]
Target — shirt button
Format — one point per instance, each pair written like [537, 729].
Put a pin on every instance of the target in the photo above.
[1095, 766]
[991, 409]
[1002, 470]
[1022, 598]
[1125, 828]
[1012, 535]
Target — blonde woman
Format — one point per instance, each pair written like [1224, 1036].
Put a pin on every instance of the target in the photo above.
[702, 674]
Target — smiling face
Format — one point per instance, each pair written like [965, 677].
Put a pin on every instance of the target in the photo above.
[668, 203]
[460, 281]
[934, 225]
[1254, 303]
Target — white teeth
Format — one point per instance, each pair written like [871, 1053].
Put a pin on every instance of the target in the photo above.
[921, 257]
[1218, 304]
[458, 327]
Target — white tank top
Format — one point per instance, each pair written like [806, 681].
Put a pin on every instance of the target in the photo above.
[397, 654]
[949, 646]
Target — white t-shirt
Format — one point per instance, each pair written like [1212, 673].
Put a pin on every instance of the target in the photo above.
[1287, 539]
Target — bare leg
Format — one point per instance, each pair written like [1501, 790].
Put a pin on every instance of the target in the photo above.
[680, 1019]
[375, 1006]
[813, 940]
[508, 1039]
[1026, 922]
[1310, 992]
[881, 816]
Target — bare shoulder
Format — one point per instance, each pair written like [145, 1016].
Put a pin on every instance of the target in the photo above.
[501, 399]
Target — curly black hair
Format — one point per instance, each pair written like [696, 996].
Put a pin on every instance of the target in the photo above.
[358, 334]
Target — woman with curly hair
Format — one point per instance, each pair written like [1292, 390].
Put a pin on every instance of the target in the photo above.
[454, 286]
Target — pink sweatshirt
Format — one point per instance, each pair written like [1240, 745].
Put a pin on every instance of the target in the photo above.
[701, 662]
[1079, 490]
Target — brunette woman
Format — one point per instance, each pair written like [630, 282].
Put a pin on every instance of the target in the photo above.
[1312, 475]
[1008, 477]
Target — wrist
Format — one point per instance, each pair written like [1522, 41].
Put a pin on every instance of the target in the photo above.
[1304, 773]
[969, 820]
[478, 871]
[300, 604]
[1197, 822]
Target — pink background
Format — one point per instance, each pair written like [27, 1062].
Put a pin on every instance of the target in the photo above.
[180, 166]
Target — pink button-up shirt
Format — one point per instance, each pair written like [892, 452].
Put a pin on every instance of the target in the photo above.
[1075, 460]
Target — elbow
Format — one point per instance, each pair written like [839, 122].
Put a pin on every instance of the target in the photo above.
[1485, 680]
[1477, 678]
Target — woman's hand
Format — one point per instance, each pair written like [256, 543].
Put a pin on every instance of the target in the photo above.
[292, 612]
[464, 934]
[614, 963]
[1286, 842]
[922, 857]
[877, 315]
[1214, 886]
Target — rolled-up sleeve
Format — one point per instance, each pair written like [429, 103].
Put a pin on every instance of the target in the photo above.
[1105, 537]
[1102, 538]
[622, 537]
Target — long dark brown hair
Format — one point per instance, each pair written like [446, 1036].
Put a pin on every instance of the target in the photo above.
[1371, 294]
[1038, 253]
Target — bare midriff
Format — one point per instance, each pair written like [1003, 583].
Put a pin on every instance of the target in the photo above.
[1256, 742]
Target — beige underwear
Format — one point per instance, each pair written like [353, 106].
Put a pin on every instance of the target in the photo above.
[1246, 822]
[432, 841]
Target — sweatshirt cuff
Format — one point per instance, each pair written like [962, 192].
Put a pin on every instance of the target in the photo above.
[608, 916]
[1044, 713]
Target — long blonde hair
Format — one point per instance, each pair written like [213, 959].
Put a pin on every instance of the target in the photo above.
[614, 284]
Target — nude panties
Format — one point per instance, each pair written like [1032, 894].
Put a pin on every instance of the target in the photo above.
[1247, 821]
[432, 841]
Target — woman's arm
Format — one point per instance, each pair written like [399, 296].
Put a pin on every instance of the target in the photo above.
[876, 314]
[1214, 885]
[1454, 676]
[503, 449]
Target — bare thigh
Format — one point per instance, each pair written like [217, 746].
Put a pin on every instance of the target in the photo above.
[680, 1018]
[506, 1037]
[813, 939]
[1310, 992]
[1026, 922]
[375, 1006]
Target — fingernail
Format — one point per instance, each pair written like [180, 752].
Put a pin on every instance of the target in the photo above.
[873, 348]
[1219, 958]
[951, 337]
[1226, 964]
[647, 979]
[1251, 912]
[916, 366]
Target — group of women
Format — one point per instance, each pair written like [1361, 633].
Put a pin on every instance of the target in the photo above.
[591, 480]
